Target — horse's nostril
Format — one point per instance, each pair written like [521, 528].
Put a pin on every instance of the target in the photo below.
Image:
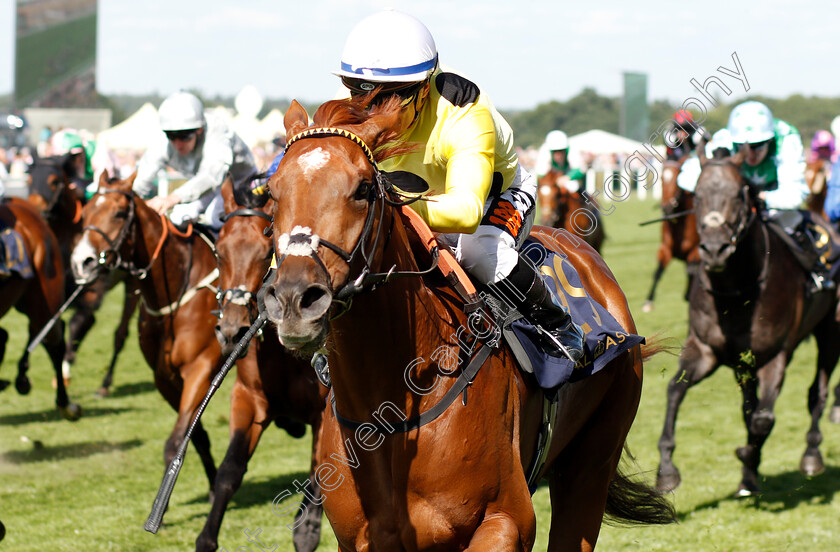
[314, 302]
[88, 263]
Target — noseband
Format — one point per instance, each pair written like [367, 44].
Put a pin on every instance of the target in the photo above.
[239, 296]
[110, 258]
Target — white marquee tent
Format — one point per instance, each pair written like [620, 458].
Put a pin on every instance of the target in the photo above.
[135, 133]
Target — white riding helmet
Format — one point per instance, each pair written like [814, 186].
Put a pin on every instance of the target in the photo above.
[181, 111]
[835, 127]
[750, 123]
[389, 46]
[556, 140]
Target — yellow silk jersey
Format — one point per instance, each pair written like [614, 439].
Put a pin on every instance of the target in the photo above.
[467, 152]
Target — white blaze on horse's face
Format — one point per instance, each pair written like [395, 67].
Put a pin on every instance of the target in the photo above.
[312, 161]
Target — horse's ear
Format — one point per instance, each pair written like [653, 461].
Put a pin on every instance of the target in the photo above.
[701, 152]
[227, 195]
[66, 162]
[103, 178]
[737, 159]
[296, 119]
[129, 182]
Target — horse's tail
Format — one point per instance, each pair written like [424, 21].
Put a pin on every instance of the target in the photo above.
[658, 344]
[632, 502]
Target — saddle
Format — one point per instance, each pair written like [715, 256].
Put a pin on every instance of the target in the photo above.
[812, 241]
[605, 338]
[14, 259]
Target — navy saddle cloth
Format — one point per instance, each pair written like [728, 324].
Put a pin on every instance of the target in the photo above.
[14, 258]
[605, 338]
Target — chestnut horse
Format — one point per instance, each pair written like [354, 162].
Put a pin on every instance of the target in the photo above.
[562, 208]
[172, 272]
[816, 176]
[38, 297]
[748, 309]
[271, 385]
[679, 235]
[56, 196]
[458, 482]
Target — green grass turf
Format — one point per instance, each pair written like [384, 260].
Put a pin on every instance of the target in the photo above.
[89, 485]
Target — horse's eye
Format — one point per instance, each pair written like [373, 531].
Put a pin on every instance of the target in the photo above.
[362, 191]
[121, 214]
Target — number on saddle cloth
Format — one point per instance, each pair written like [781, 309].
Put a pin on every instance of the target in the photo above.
[605, 339]
[14, 258]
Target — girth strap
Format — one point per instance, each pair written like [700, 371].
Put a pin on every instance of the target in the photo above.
[466, 377]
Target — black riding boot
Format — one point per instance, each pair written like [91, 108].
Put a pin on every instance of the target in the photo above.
[527, 291]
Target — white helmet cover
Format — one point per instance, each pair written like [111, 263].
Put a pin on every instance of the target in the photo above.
[181, 111]
[556, 140]
[750, 123]
[389, 46]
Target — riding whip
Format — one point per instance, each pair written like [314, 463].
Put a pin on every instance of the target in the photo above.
[48, 326]
[668, 217]
[168, 484]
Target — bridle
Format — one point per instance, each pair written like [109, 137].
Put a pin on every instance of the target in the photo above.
[301, 242]
[55, 196]
[110, 258]
[239, 296]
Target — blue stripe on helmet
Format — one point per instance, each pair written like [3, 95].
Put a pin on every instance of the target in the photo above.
[393, 72]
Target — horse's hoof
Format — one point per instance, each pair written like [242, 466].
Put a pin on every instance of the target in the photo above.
[834, 415]
[647, 307]
[812, 466]
[71, 412]
[23, 385]
[668, 480]
[103, 392]
[4, 384]
[2, 530]
[744, 492]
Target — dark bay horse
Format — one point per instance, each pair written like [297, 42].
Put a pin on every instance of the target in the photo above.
[38, 297]
[562, 208]
[459, 482]
[270, 383]
[748, 310]
[55, 194]
[679, 235]
[172, 271]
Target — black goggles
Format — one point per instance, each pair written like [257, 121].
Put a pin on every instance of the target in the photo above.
[758, 146]
[383, 90]
[180, 135]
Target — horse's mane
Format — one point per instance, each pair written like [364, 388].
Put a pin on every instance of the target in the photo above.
[352, 113]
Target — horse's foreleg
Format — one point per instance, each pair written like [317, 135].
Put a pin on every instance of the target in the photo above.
[4, 338]
[55, 346]
[307, 531]
[657, 274]
[245, 434]
[828, 354]
[130, 302]
[758, 416]
[834, 415]
[697, 362]
[80, 323]
[499, 532]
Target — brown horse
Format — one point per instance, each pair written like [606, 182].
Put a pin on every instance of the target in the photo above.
[172, 272]
[749, 310]
[679, 235]
[56, 196]
[562, 208]
[270, 385]
[38, 297]
[816, 176]
[458, 483]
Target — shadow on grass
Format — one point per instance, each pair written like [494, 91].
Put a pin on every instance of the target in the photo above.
[129, 389]
[256, 493]
[782, 492]
[41, 453]
[52, 415]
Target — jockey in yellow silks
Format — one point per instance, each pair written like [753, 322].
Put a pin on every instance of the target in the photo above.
[478, 198]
